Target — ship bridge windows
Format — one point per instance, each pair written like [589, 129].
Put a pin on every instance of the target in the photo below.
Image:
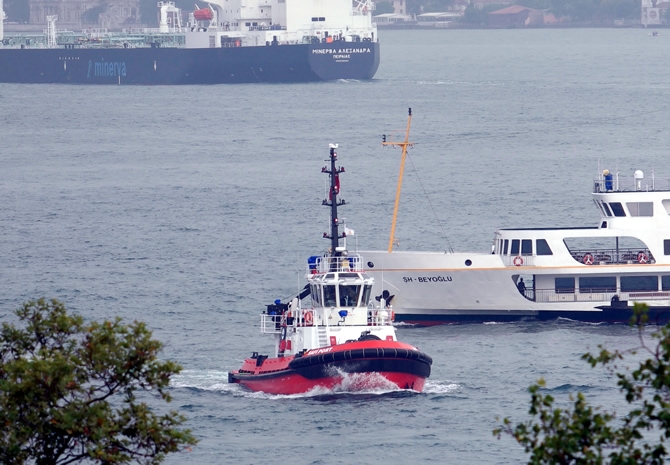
[617, 209]
[640, 208]
[515, 247]
[349, 295]
[542, 248]
[639, 283]
[329, 299]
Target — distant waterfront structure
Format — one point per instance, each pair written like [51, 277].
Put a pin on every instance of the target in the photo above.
[651, 13]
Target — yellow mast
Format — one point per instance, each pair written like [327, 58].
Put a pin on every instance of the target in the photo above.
[404, 146]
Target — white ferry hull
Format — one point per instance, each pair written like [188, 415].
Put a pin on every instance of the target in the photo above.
[440, 288]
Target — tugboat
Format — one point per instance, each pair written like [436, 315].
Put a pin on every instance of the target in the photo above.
[344, 340]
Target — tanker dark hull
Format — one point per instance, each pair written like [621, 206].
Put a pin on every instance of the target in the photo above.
[170, 66]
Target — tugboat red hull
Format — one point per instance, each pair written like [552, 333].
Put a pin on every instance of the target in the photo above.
[365, 364]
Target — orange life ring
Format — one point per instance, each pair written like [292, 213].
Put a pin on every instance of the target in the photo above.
[518, 261]
[642, 257]
[309, 318]
[588, 259]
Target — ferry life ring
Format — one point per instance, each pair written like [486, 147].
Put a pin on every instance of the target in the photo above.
[642, 257]
[518, 261]
[588, 259]
[309, 318]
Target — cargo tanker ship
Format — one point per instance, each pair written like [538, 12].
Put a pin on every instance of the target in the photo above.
[229, 41]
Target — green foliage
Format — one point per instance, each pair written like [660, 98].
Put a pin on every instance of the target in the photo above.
[68, 391]
[580, 434]
[17, 10]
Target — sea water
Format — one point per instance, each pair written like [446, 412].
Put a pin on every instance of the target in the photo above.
[190, 208]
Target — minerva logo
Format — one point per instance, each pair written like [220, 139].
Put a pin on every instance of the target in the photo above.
[106, 68]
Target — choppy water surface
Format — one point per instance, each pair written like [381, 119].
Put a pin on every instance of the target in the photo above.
[191, 207]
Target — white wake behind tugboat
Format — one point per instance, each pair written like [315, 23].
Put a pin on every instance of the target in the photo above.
[592, 274]
[343, 337]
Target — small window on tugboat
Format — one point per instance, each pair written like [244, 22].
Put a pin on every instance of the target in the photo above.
[526, 247]
[367, 291]
[666, 246]
[617, 208]
[329, 299]
[506, 247]
[349, 295]
[543, 248]
[665, 283]
[515, 247]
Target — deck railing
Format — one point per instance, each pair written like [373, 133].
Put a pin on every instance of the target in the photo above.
[551, 295]
[305, 317]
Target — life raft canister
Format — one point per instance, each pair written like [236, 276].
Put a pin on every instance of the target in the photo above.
[588, 259]
[518, 261]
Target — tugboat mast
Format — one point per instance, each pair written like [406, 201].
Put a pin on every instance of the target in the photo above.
[333, 202]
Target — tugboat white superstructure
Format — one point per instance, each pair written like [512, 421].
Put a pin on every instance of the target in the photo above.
[343, 340]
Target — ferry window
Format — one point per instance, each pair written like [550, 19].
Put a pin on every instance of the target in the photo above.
[329, 296]
[666, 246]
[527, 247]
[349, 295]
[314, 19]
[639, 283]
[617, 208]
[608, 212]
[640, 208]
[597, 284]
[565, 285]
[367, 290]
[543, 248]
[505, 248]
[515, 247]
[665, 283]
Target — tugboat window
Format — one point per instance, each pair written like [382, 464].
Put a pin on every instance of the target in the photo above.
[349, 295]
[506, 247]
[565, 285]
[515, 247]
[617, 208]
[543, 248]
[666, 246]
[665, 283]
[329, 299]
[367, 291]
[639, 283]
[526, 247]
[588, 285]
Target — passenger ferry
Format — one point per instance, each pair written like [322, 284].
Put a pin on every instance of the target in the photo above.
[592, 274]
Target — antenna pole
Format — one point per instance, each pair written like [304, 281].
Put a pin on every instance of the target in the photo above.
[406, 143]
